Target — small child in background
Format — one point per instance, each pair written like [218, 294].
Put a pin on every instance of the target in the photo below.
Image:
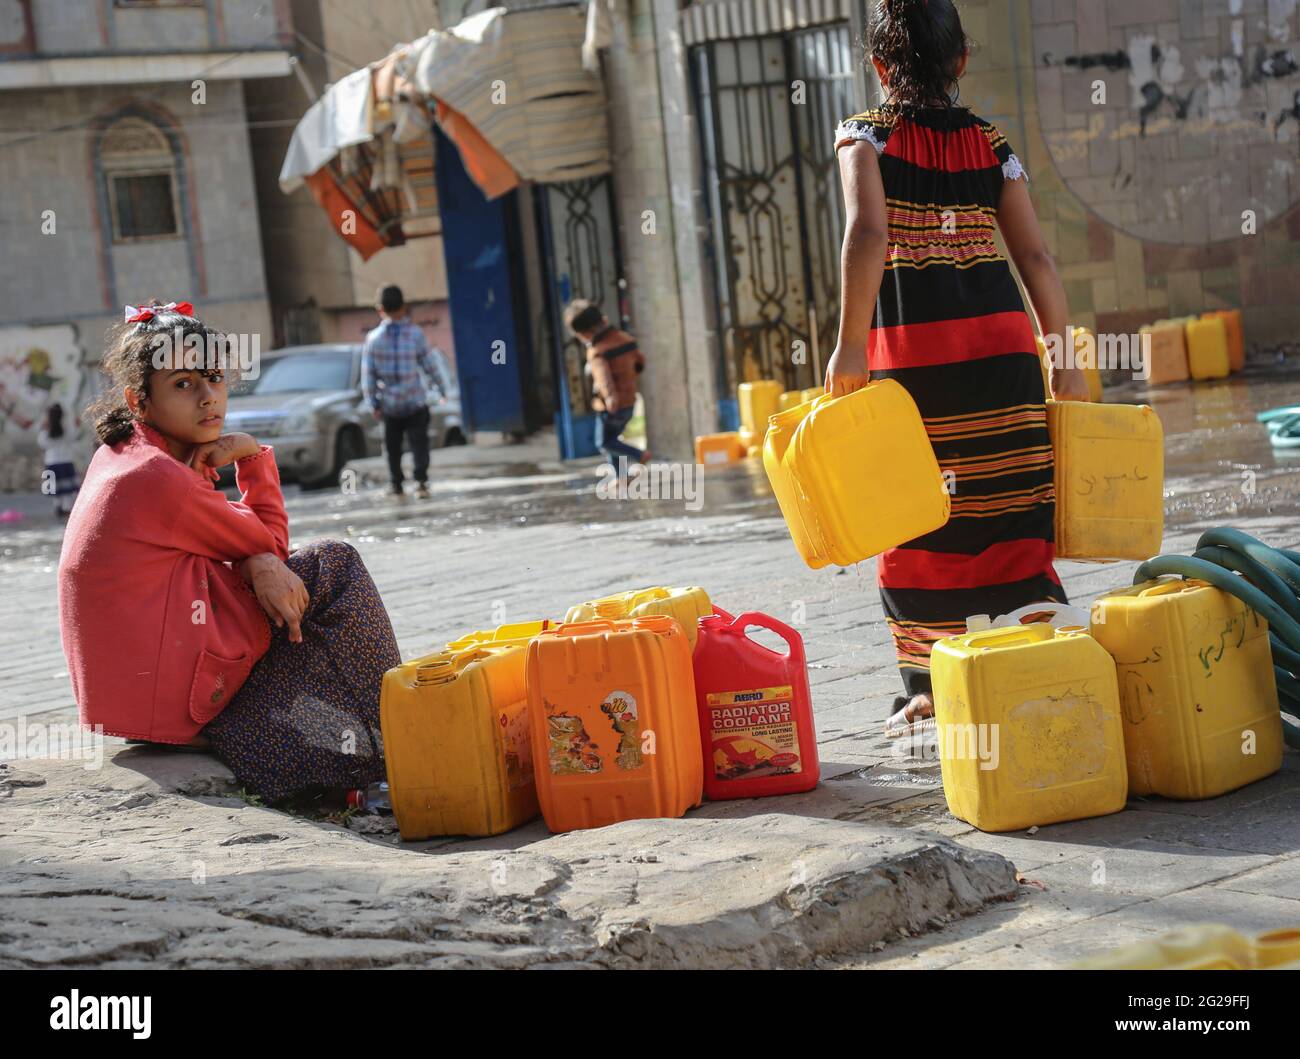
[614, 362]
[59, 460]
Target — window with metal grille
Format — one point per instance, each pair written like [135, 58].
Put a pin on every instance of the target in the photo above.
[143, 206]
[140, 170]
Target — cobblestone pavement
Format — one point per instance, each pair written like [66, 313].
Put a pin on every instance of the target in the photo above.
[517, 536]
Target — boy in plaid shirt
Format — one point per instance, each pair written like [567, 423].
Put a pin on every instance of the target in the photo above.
[394, 354]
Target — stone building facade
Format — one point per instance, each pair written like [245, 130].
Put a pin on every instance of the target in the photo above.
[127, 173]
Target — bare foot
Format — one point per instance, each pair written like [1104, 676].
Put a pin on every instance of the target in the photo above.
[913, 717]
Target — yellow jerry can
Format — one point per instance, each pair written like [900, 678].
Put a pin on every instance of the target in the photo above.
[1167, 358]
[1028, 725]
[748, 440]
[789, 399]
[758, 403]
[855, 475]
[457, 742]
[1202, 947]
[1196, 682]
[1109, 477]
[718, 449]
[522, 631]
[687, 605]
[1207, 348]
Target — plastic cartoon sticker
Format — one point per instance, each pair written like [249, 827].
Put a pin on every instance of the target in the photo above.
[620, 708]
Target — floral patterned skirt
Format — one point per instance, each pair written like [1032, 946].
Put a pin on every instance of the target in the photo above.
[308, 715]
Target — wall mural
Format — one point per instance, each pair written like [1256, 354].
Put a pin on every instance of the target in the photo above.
[39, 366]
[1200, 119]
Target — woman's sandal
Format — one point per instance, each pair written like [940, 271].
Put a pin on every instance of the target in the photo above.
[196, 747]
[909, 718]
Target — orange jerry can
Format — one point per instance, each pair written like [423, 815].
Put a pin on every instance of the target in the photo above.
[1167, 357]
[1236, 337]
[615, 734]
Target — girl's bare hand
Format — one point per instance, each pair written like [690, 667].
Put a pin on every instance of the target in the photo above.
[280, 591]
[847, 371]
[1068, 384]
[228, 448]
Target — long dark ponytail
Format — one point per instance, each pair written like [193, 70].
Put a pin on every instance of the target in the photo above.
[920, 43]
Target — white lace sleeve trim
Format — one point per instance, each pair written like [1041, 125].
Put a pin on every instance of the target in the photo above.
[1013, 170]
[846, 131]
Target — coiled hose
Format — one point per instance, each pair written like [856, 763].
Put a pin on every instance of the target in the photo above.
[1265, 579]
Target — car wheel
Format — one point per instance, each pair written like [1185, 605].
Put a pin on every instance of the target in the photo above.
[348, 446]
[454, 436]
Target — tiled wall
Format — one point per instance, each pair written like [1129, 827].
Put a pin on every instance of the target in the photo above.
[1144, 211]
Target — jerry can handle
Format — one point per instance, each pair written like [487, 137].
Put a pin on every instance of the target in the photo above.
[1004, 637]
[1178, 584]
[447, 666]
[1066, 614]
[591, 625]
[766, 621]
[647, 595]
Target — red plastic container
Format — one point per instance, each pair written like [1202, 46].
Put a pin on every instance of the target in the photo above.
[756, 721]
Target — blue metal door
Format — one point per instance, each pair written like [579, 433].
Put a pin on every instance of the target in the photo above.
[482, 297]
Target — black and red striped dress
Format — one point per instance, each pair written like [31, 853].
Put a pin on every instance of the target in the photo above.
[950, 326]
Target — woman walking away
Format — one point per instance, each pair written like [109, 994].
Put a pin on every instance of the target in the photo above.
[927, 300]
[60, 470]
[168, 591]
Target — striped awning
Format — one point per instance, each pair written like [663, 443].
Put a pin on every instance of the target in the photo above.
[708, 20]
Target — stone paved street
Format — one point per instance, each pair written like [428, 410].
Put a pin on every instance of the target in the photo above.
[511, 535]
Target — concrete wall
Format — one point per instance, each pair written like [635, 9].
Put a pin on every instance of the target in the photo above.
[1142, 196]
[72, 26]
[75, 274]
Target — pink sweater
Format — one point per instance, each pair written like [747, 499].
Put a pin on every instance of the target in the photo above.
[159, 629]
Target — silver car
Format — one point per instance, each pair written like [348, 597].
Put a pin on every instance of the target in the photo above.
[306, 404]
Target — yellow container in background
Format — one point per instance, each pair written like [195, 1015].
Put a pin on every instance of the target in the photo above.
[1207, 348]
[1196, 682]
[855, 475]
[758, 403]
[1109, 476]
[812, 393]
[521, 631]
[719, 449]
[748, 440]
[1236, 337]
[1168, 355]
[789, 400]
[687, 605]
[457, 743]
[1029, 728]
[1202, 947]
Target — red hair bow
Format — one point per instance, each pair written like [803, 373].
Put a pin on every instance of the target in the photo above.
[136, 315]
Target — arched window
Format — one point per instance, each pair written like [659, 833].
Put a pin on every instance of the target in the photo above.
[140, 173]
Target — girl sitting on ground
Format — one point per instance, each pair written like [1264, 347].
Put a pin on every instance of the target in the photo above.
[186, 620]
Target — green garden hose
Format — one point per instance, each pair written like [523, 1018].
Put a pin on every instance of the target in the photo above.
[1265, 579]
